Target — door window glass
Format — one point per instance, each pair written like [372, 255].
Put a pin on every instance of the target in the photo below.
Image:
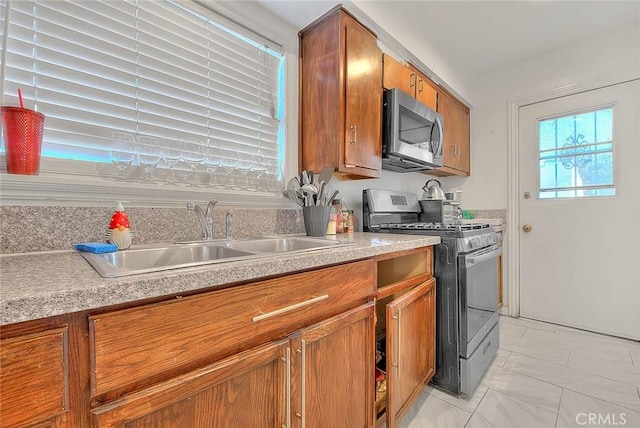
[576, 155]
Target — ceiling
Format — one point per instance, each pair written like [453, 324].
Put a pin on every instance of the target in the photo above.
[477, 37]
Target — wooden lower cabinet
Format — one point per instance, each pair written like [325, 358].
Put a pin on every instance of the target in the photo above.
[410, 321]
[333, 366]
[296, 351]
[405, 332]
[34, 379]
[319, 377]
[245, 390]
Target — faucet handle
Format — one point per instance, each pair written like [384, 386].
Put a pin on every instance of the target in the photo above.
[210, 206]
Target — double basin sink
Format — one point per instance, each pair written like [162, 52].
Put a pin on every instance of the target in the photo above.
[155, 258]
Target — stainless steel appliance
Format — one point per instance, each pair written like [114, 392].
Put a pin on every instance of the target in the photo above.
[466, 271]
[412, 134]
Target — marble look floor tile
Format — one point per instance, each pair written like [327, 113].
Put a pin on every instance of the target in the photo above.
[576, 410]
[606, 364]
[467, 404]
[580, 381]
[529, 323]
[572, 332]
[618, 348]
[498, 410]
[431, 412]
[512, 329]
[501, 357]
[536, 392]
[535, 348]
[635, 357]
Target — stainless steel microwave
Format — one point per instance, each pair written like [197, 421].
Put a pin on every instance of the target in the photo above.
[412, 134]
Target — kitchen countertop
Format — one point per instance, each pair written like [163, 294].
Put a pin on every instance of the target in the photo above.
[497, 223]
[39, 285]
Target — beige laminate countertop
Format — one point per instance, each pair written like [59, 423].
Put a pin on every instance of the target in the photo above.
[39, 285]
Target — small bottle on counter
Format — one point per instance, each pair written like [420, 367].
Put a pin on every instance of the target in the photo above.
[337, 204]
[331, 227]
[119, 232]
[350, 222]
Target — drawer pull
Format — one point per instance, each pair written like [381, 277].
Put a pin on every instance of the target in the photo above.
[290, 308]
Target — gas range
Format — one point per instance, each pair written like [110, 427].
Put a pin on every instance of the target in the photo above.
[466, 272]
[399, 212]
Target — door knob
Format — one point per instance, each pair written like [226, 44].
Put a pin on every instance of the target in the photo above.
[526, 228]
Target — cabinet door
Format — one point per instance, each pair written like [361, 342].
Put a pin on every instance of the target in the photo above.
[410, 321]
[397, 75]
[456, 133]
[426, 91]
[245, 390]
[363, 103]
[35, 379]
[333, 372]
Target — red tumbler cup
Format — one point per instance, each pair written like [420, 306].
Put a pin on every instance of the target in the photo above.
[23, 139]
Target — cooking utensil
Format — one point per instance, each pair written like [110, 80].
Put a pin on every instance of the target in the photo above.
[292, 195]
[326, 174]
[433, 191]
[333, 196]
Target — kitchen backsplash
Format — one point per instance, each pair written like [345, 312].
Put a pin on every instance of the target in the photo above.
[501, 214]
[26, 229]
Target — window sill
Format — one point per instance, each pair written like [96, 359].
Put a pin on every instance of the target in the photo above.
[54, 189]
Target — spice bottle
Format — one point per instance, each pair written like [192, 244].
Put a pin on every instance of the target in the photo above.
[350, 222]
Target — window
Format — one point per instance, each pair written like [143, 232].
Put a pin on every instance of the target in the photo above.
[576, 155]
[168, 74]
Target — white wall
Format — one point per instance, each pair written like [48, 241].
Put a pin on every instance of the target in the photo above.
[610, 58]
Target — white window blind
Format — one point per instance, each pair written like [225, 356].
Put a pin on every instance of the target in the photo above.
[146, 68]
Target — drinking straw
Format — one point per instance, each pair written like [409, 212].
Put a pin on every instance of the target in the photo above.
[20, 97]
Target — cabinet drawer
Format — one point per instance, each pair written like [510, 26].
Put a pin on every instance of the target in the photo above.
[34, 377]
[164, 339]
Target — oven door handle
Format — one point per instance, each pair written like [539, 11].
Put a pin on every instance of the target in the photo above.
[490, 253]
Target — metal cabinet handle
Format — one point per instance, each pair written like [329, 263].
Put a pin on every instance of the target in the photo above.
[303, 389]
[290, 308]
[412, 80]
[288, 386]
[354, 134]
[398, 319]
[420, 86]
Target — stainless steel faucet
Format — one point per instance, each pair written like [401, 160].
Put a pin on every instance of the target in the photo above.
[204, 218]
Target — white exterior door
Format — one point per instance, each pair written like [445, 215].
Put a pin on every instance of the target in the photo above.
[579, 192]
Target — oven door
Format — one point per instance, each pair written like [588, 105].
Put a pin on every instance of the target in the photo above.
[478, 282]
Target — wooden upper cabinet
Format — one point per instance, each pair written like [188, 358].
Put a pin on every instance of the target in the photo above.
[456, 151]
[409, 80]
[397, 75]
[426, 91]
[340, 97]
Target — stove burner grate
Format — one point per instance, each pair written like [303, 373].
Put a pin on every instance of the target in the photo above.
[434, 226]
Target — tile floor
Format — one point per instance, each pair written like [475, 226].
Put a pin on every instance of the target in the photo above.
[544, 375]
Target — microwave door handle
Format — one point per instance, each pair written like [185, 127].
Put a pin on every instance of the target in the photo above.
[436, 149]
